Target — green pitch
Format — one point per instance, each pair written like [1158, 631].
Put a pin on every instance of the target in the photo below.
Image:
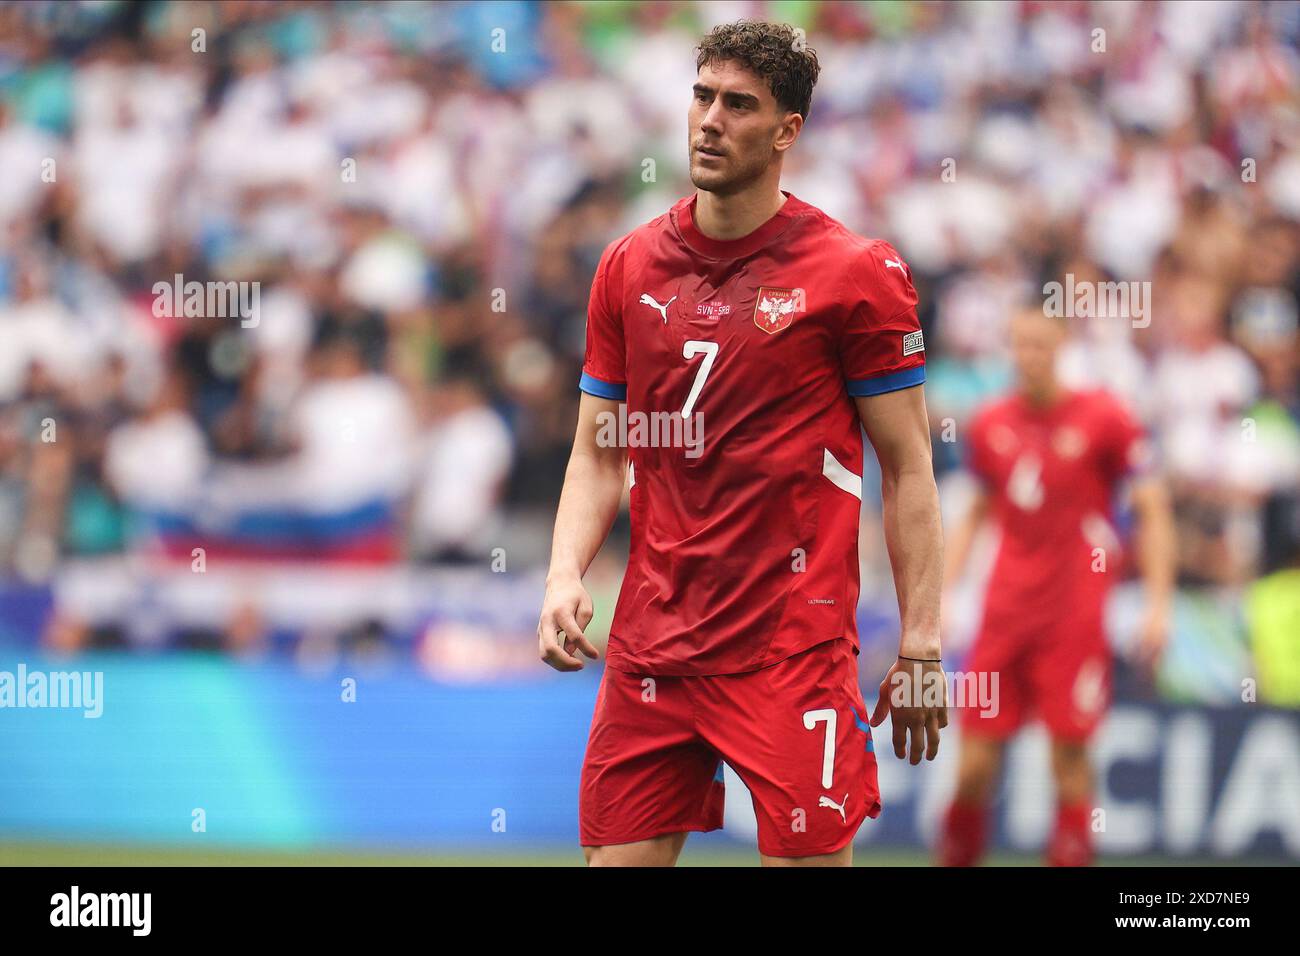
[72, 854]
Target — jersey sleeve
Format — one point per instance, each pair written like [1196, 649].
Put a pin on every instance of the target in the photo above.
[1125, 450]
[975, 450]
[881, 347]
[604, 367]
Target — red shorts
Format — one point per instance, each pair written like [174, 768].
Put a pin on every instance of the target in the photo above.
[1060, 673]
[796, 733]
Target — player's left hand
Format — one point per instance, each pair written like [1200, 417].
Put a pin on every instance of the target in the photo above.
[915, 695]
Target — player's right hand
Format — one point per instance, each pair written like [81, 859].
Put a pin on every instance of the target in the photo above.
[566, 610]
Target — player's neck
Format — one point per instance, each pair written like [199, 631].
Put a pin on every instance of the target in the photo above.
[1043, 396]
[736, 215]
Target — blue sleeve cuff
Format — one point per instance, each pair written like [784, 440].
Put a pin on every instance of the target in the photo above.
[594, 386]
[860, 387]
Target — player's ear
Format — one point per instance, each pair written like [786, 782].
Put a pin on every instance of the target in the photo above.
[788, 132]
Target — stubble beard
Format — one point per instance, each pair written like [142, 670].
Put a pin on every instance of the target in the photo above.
[725, 182]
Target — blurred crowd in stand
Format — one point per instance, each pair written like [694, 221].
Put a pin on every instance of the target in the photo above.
[421, 192]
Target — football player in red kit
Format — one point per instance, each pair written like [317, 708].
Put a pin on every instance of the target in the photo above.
[741, 341]
[1050, 461]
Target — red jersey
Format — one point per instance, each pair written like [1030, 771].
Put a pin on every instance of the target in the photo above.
[744, 542]
[1052, 474]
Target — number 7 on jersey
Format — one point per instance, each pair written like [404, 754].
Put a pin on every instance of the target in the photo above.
[710, 352]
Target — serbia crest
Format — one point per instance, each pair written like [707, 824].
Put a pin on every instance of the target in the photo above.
[775, 308]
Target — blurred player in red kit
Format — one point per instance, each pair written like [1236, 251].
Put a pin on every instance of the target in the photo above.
[776, 335]
[1050, 461]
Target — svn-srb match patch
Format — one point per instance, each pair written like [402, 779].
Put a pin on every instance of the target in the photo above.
[913, 342]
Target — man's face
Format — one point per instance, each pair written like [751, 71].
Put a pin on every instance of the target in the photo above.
[1035, 340]
[736, 128]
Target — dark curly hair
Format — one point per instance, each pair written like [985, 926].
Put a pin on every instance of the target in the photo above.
[774, 51]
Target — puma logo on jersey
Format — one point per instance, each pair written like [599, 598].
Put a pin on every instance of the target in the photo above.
[825, 801]
[647, 299]
[895, 264]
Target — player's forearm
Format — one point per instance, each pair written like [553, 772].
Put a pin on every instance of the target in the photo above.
[955, 552]
[957, 547]
[1157, 545]
[914, 537]
[593, 487]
